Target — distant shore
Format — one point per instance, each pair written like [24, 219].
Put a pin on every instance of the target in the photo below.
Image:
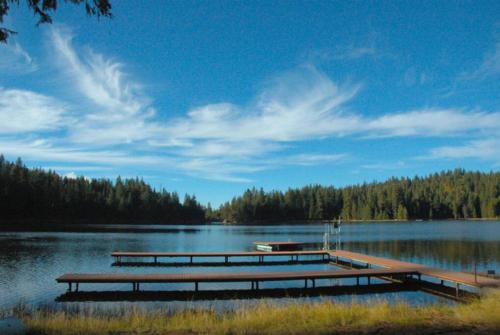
[151, 227]
[352, 221]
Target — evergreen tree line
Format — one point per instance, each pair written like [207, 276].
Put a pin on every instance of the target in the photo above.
[36, 194]
[447, 195]
[27, 194]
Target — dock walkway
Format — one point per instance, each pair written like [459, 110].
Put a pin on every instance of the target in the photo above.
[445, 275]
[252, 277]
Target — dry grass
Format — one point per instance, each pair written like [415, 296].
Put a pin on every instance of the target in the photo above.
[482, 316]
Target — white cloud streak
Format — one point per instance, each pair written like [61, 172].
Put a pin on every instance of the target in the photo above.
[120, 114]
[25, 111]
[485, 149]
[113, 123]
[490, 67]
[432, 122]
[14, 59]
[355, 52]
[59, 151]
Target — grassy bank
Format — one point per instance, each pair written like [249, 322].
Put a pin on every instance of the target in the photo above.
[380, 317]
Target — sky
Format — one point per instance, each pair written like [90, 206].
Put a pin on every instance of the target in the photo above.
[213, 97]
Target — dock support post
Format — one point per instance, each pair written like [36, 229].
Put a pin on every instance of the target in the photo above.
[137, 286]
[314, 283]
[196, 286]
[442, 282]
[369, 278]
[419, 277]
[156, 259]
[305, 283]
[133, 287]
[256, 285]
[253, 286]
[226, 259]
[69, 287]
[357, 281]
[191, 259]
[76, 287]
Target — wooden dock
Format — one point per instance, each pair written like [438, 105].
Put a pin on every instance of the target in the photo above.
[355, 266]
[456, 277]
[251, 277]
[226, 256]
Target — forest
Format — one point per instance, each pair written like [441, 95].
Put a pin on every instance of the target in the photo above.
[35, 194]
[447, 195]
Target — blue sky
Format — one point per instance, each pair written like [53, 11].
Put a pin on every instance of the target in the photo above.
[213, 97]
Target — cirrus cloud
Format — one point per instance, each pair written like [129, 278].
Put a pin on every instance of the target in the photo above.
[113, 122]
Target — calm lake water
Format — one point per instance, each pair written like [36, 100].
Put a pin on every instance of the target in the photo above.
[30, 261]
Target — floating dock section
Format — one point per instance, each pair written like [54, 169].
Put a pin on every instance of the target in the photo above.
[278, 246]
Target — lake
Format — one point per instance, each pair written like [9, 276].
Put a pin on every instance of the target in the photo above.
[30, 261]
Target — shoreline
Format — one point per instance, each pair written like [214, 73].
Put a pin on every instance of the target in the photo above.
[371, 317]
[152, 227]
[292, 222]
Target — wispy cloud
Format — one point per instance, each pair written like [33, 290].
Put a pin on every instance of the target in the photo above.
[25, 111]
[433, 122]
[355, 52]
[485, 149]
[314, 159]
[381, 166]
[296, 106]
[121, 114]
[14, 59]
[490, 66]
[107, 120]
[58, 150]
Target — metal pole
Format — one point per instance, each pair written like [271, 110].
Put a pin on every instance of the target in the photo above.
[475, 272]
